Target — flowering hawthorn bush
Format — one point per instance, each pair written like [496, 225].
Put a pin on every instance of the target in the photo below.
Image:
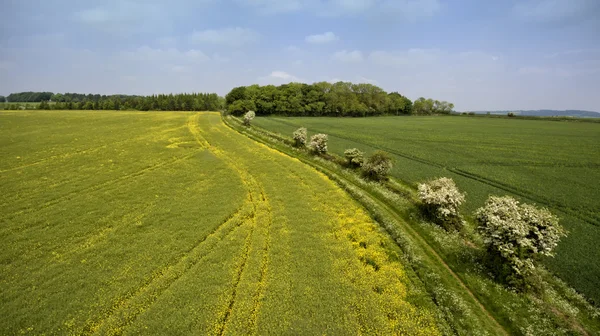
[354, 157]
[300, 136]
[318, 143]
[517, 234]
[441, 201]
[378, 165]
[248, 117]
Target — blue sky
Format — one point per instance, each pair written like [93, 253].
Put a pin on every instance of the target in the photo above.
[481, 55]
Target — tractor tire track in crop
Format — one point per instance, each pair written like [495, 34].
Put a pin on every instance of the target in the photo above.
[261, 222]
[588, 218]
[71, 154]
[125, 310]
[93, 188]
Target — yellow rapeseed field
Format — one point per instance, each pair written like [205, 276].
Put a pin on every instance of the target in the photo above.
[172, 223]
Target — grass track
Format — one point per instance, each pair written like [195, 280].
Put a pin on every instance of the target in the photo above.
[172, 223]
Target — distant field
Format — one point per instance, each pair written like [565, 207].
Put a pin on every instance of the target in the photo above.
[553, 164]
[164, 223]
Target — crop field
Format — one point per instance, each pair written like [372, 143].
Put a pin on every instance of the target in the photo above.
[552, 164]
[172, 223]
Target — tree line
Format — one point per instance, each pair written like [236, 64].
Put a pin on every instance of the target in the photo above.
[29, 97]
[294, 99]
[161, 102]
[326, 99]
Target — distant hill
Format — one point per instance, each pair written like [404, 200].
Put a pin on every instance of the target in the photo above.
[547, 113]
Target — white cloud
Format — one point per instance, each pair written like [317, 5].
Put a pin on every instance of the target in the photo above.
[367, 80]
[279, 77]
[322, 38]
[548, 11]
[232, 37]
[348, 56]
[332, 80]
[283, 75]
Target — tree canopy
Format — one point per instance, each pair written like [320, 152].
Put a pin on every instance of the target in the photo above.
[423, 106]
[29, 97]
[318, 99]
[341, 99]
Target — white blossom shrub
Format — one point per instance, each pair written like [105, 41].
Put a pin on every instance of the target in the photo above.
[517, 234]
[318, 143]
[300, 136]
[378, 165]
[248, 117]
[441, 201]
[354, 157]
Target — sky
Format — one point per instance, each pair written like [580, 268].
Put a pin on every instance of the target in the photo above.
[480, 55]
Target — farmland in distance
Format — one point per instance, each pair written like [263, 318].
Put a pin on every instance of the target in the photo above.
[552, 164]
[130, 222]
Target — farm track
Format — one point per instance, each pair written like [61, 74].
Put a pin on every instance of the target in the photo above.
[430, 251]
[588, 217]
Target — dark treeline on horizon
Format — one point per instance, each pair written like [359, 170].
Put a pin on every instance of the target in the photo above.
[326, 99]
[29, 97]
[339, 99]
[161, 102]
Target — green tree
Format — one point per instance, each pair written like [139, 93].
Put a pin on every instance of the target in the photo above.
[44, 105]
[354, 157]
[378, 165]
